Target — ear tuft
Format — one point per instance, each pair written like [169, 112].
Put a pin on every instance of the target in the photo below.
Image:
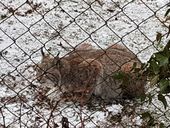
[42, 52]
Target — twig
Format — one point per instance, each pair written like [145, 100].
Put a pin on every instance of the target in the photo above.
[20, 113]
[3, 117]
[51, 114]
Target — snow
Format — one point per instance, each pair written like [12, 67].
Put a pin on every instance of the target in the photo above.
[22, 35]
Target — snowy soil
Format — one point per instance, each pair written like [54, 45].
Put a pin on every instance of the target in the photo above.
[71, 22]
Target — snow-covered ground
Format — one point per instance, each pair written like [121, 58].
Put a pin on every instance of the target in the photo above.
[132, 23]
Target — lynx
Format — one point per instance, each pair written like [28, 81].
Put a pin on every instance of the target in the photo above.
[89, 71]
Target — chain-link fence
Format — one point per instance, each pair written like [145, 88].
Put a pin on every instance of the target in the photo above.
[77, 63]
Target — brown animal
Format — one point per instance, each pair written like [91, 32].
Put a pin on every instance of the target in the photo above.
[91, 71]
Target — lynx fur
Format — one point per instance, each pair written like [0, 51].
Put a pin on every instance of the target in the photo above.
[90, 71]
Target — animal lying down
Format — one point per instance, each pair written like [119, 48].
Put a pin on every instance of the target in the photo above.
[108, 74]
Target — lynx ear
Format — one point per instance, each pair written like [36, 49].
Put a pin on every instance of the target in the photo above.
[45, 57]
[57, 59]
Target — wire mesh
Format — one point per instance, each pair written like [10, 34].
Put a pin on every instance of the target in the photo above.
[61, 62]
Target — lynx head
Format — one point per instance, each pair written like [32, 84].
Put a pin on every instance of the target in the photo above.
[51, 69]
